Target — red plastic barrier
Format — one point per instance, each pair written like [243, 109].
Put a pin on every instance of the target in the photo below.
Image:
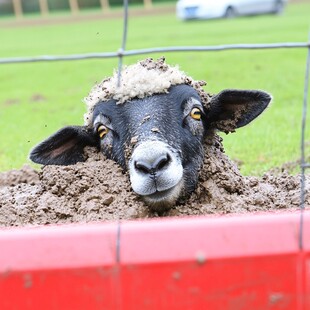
[240, 262]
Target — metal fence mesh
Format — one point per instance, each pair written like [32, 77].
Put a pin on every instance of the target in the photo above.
[122, 52]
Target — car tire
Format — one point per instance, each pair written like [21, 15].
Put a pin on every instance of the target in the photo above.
[278, 7]
[230, 12]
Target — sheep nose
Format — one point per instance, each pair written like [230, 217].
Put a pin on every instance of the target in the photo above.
[154, 167]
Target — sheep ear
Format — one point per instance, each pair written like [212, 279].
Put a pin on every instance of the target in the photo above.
[65, 147]
[231, 109]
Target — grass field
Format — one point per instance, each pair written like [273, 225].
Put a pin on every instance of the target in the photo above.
[36, 99]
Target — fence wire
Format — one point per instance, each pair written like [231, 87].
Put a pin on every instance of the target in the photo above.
[122, 52]
[303, 164]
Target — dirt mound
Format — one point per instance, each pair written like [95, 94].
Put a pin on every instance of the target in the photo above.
[98, 190]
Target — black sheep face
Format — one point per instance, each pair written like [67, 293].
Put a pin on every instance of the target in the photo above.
[158, 139]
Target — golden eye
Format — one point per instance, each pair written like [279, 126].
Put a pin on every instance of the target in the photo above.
[196, 114]
[102, 131]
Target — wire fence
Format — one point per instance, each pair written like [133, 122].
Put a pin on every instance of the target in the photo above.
[303, 164]
[122, 52]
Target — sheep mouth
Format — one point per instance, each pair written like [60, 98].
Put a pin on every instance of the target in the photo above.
[163, 200]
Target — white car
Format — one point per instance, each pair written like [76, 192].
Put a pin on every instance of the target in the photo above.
[204, 9]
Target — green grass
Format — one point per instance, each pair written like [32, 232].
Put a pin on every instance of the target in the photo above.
[36, 99]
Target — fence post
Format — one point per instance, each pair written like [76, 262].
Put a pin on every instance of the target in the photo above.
[43, 7]
[147, 4]
[105, 6]
[18, 9]
[74, 6]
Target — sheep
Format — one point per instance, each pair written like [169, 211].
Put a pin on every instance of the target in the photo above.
[153, 125]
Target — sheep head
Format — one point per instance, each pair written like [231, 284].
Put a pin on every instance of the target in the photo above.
[153, 125]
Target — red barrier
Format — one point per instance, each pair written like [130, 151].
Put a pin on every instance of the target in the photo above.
[238, 262]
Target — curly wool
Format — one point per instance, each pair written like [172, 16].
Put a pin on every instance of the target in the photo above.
[140, 80]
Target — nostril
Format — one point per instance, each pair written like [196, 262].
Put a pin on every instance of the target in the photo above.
[143, 167]
[162, 162]
[154, 167]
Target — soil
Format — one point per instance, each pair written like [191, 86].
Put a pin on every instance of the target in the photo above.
[98, 190]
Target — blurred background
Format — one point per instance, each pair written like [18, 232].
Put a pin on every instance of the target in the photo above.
[36, 99]
[18, 7]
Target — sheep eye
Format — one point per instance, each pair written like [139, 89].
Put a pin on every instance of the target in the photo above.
[196, 114]
[102, 131]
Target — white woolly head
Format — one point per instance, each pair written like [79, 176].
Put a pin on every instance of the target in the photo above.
[140, 80]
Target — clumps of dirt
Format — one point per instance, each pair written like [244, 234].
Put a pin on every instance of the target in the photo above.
[98, 190]
[90, 191]
[26, 175]
[222, 189]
